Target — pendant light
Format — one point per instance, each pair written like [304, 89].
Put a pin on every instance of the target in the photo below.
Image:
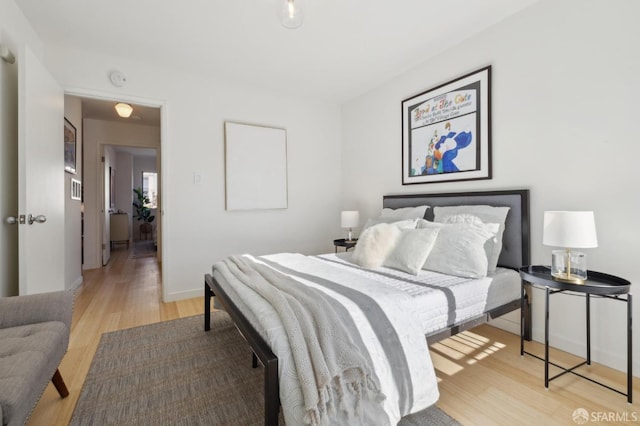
[291, 14]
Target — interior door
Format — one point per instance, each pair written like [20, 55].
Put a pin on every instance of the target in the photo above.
[106, 205]
[8, 177]
[41, 238]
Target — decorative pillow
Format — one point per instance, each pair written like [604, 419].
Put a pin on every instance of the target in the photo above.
[488, 214]
[489, 245]
[402, 224]
[459, 248]
[405, 212]
[375, 244]
[411, 250]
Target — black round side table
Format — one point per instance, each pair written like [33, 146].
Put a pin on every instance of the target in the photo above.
[342, 242]
[597, 284]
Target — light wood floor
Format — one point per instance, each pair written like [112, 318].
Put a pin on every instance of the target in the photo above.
[483, 380]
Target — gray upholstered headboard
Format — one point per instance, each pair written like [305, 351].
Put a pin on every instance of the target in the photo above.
[515, 241]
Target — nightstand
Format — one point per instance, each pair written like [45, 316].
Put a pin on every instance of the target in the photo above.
[597, 285]
[347, 244]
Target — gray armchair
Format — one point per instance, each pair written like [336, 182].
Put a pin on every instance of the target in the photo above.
[34, 336]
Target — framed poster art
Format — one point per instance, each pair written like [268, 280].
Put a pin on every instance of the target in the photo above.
[255, 167]
[446, 131]
[69, 147]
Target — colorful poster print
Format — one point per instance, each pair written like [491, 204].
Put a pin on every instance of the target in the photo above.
[446, 134]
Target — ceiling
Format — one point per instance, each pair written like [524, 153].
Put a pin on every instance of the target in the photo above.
[343, 49]
[136, 152]
[105, 110]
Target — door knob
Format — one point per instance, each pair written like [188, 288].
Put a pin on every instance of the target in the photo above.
[12, 220]
[40, 219]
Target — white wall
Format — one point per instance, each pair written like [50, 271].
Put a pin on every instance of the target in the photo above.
[16, 30]
[197, 231]
[564, 112]
[97, 134]
[73, 232]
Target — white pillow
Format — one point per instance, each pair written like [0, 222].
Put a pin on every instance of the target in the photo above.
[489, 245]
[375, 244]
[459, 248]
[402, 224]
[411, 250]
[488, 214]
[405, 212]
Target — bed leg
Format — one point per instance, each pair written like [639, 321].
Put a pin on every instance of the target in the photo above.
[207, 305]
[271, 393]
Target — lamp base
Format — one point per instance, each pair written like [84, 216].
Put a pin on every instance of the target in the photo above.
[349, 236]
[569, 266]
[565, 278]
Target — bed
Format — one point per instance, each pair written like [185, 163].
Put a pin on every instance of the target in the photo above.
[514, 253]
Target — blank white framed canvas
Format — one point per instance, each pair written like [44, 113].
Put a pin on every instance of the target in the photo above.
[255, 167]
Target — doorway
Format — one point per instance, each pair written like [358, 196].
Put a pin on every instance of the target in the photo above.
[131, 200]
[110, 144]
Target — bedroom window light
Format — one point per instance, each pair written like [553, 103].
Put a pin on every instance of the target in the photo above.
[150, 188]
[569, 229]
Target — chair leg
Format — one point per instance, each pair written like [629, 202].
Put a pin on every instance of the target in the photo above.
[59, 384]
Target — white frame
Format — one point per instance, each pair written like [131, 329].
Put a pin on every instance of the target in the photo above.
[76, 189]
[255, 167]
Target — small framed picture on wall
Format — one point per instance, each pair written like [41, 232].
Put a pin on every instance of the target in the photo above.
[69, 147]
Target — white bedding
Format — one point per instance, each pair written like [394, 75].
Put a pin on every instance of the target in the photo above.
[402, 397]
[442, 300]
[416, 305]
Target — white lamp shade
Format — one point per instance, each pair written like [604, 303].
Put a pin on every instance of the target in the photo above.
[350, 219]
[569, 229]
[124, 110]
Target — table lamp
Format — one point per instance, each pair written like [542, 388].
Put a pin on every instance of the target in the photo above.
[350, 219]
[569, 229]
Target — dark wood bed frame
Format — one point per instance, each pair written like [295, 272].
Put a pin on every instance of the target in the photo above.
[515, 253]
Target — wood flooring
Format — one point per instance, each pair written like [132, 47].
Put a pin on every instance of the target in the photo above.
[482, 378]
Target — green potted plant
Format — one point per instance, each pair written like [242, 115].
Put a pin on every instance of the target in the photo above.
[142, 212]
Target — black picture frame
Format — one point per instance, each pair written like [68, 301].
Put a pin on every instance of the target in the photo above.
[446, 131]
[70, 147]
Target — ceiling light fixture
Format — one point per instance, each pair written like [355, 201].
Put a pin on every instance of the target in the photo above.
[124, 110]
[291, 14]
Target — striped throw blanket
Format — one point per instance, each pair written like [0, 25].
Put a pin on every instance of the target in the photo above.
[349, 350]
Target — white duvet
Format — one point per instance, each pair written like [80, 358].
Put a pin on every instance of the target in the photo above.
[406, 375]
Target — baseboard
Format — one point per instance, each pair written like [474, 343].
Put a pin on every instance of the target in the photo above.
[77, 283]
[507, 325]
[181, 295]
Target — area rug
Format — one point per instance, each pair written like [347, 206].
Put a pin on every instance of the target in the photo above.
[174, 373]
[144, 248]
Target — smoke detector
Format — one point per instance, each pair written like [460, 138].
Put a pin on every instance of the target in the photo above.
[117, 78]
